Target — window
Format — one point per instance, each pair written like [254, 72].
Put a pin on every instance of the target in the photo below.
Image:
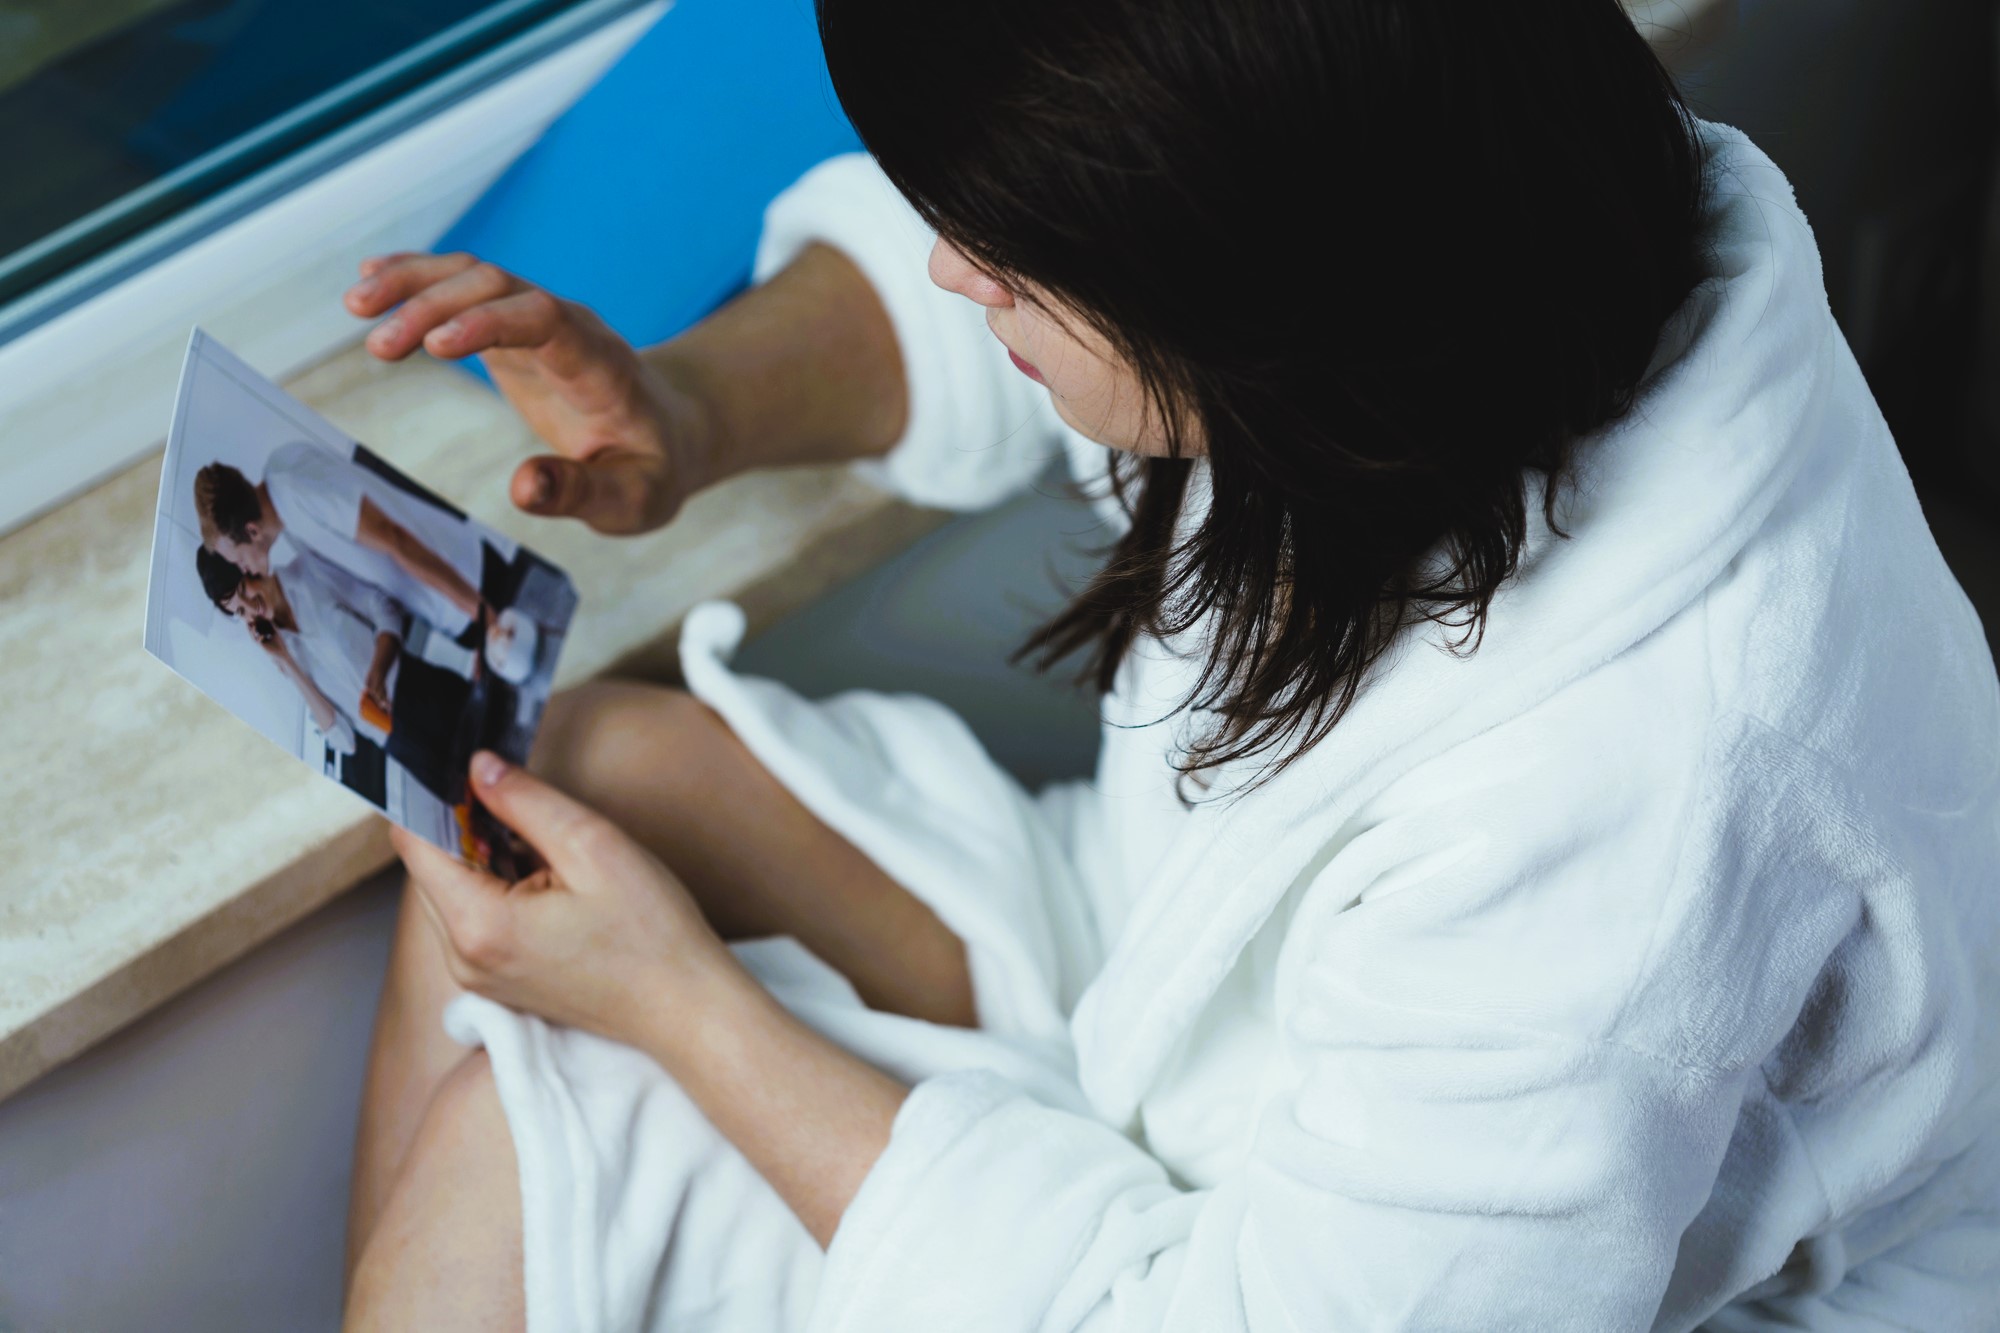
[118, 114]
[226, 162]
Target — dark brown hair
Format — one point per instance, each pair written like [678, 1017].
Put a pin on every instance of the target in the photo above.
[220, 580]
[226, 502]
[1391, 257]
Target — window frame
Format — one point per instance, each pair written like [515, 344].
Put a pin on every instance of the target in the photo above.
[87, 376]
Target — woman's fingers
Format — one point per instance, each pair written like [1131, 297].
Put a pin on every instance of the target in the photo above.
[530, 318]
[401, 839]
[464, 904]
[398, 277]
[456, 306]
[376, 263]
[405, 330]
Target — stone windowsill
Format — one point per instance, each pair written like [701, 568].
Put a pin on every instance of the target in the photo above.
[150, 838]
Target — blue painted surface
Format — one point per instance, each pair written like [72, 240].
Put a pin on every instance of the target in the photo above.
[644, 201]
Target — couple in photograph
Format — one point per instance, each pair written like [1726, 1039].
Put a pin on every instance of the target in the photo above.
[326, 564]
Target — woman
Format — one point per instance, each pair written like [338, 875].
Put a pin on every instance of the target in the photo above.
[354, 649]
[1538, 871]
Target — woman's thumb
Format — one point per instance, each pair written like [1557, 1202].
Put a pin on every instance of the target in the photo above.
[611, 490]
[554, 825]
[554, 487]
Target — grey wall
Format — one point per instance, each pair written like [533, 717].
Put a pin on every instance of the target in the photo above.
[190, 1174]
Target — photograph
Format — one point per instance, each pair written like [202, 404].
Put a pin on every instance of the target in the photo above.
[349, 614]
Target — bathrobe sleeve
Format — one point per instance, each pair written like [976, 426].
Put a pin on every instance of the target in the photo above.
[1519, 1038]
[978, 429]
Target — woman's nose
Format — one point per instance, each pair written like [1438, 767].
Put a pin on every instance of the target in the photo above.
[951, 270]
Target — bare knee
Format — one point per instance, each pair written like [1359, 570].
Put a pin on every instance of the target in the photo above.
[668, 769]
[464, 1108]
[467, 1094]
[609, 739]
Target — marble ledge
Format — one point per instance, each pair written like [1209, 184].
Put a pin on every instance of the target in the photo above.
[149, 838]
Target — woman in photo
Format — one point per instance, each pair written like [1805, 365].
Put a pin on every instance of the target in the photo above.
[1539, 871]
[339, 641]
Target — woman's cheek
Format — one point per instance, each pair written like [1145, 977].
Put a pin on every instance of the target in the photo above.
[1093, 394]
[1101, 411]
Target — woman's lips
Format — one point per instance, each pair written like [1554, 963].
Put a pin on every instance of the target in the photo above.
[1024, 367]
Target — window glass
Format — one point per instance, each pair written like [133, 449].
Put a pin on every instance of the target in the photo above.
[116, 114]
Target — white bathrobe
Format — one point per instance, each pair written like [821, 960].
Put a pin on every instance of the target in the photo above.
[1640, 969]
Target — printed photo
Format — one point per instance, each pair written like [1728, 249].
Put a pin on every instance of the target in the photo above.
[343, 610]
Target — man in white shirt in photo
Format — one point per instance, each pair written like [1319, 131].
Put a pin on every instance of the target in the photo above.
[428, 558]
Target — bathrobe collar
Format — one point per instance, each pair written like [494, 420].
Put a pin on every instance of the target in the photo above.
[1664, 499]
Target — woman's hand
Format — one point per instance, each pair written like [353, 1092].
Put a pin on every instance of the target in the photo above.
[631, 445]
[605, 938]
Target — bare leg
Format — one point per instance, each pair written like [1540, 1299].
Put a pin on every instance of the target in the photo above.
[446, 1253]
[672, 774]
[408, 1060]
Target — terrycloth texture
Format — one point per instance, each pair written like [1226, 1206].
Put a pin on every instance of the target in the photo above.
[1638, 970]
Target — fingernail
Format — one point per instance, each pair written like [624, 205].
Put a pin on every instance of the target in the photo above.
[448, 330]
[386, 330]
[488, 768]
[545, 486]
